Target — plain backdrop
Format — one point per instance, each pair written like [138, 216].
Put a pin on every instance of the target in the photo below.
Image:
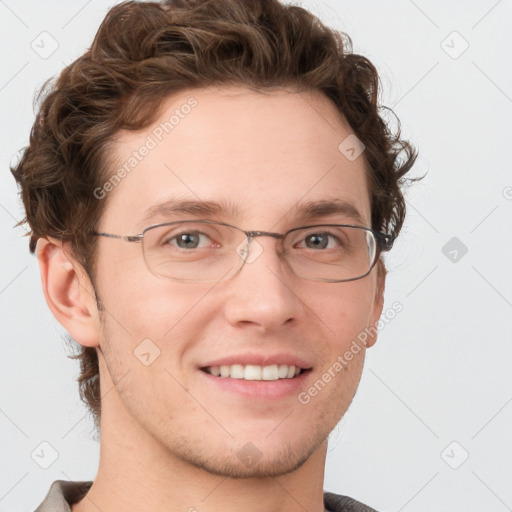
[429, 428]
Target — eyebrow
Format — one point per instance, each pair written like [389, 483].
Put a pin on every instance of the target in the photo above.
[191, 207]
[305, 211]
[313, 209]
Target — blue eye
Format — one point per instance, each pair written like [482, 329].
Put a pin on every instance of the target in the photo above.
[321, 240]
[318, 240]
[187, 240]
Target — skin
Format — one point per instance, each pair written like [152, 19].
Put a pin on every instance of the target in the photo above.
[169, 440]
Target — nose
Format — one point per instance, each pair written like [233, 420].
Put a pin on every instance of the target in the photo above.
[264, 293]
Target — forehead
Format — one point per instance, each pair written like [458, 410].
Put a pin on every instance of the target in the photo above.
[263, 153]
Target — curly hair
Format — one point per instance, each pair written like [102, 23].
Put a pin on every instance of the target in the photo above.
[142, 53]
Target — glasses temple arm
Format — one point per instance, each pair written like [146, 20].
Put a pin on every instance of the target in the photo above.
[128, 238]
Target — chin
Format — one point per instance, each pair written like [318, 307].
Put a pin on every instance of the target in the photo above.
[258, 465]
[250, 461]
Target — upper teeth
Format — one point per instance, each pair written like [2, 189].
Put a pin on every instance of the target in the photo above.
[254, 372]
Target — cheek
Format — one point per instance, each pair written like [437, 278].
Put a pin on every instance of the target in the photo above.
[345, 310]
[142, 305]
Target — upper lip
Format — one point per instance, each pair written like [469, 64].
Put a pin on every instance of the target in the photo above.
[259, 360]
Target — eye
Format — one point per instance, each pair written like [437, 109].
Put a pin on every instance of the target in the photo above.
[188, 240]
[321, 240]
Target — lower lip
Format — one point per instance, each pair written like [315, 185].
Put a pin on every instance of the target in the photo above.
[262, 389]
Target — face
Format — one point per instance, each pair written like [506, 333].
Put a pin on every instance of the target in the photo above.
[267, 154]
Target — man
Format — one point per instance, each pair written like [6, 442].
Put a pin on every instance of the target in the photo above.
[210, 190]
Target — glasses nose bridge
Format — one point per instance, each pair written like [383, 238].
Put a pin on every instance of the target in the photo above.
[250, 235]
[254, 234]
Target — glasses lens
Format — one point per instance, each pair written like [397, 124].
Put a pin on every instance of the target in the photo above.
[192, 251]
[205, 252]
[331, 253]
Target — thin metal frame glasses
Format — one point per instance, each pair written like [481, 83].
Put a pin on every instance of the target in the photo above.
[353, 253]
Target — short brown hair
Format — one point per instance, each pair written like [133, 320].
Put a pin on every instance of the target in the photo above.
[141, 54]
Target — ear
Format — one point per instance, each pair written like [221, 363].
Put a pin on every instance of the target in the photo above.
[68, 291]
[378, 304]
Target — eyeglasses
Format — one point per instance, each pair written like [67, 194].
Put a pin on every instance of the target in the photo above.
[207, 251]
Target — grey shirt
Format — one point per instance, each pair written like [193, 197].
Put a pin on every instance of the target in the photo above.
[63, 494]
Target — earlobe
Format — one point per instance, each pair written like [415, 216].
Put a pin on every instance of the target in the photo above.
[68, 291]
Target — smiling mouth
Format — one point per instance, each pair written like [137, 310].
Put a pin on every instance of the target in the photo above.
[255, 372]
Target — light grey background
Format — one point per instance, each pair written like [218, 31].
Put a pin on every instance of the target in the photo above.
[437, 386]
